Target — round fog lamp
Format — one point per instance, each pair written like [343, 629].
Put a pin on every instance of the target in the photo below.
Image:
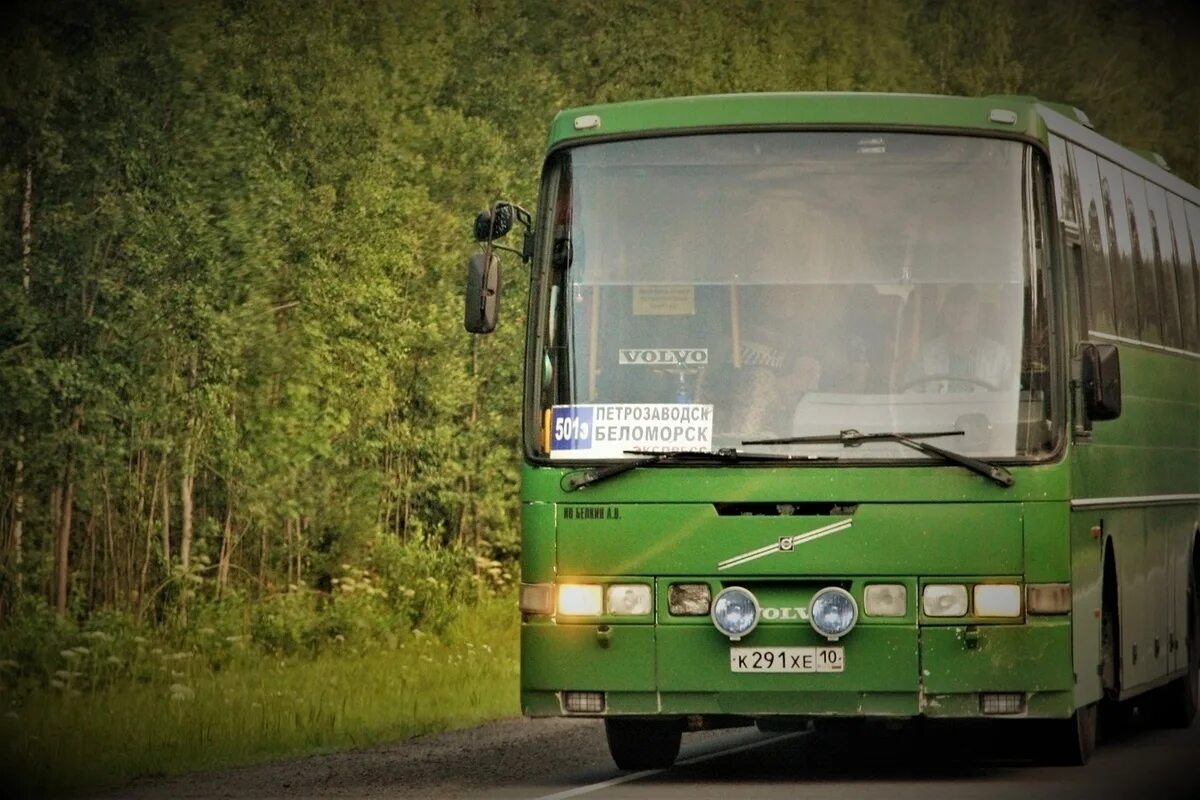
[735, 612]
[832, 612]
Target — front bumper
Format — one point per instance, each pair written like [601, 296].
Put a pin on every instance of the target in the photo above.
[892, 670]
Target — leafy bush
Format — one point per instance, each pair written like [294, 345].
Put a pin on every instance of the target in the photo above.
[397, 591]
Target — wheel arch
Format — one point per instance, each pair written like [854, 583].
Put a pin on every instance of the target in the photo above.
[1110, 600]
[1195, 559]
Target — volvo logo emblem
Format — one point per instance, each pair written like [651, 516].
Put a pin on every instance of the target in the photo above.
[799, 613]
[785, 544]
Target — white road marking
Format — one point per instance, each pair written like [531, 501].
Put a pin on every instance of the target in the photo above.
[645, 773]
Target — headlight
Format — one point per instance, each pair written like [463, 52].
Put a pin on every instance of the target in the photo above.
[580, 600]
[536, 598]
[885, 600]
[735, 612]
[832, 612]
[1048, 598]
[945, 600]
[997, 600]
[629, 599]
[689, 599]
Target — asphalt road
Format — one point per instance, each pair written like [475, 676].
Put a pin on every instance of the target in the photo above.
[561, 759]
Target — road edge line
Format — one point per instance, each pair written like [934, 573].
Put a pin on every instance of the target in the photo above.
[645, 773]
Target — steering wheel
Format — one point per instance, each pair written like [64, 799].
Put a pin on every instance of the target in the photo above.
[911, 382]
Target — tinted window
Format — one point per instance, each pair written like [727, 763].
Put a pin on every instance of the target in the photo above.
[1120, 248]
[1064, 180]
[1163, 245]
[1193, 223]
[1095, 242]
[1143, 259]
[1185, 273]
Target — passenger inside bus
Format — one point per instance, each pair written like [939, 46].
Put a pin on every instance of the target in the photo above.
[797, 339]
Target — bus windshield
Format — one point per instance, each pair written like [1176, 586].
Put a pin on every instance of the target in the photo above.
[709, 289]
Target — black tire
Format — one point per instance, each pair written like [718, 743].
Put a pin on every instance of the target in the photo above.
[1071, 742]
[1175, 703]
[637, 744]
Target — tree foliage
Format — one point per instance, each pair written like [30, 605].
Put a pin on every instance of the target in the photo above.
[230, 346]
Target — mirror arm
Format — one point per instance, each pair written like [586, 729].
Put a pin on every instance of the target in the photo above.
[521, 253]
[522, 216]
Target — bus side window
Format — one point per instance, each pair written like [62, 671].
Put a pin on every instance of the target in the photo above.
[1120, 253]
[1164, 264]
[1036, 355]
[1064, 180]
[1193, 224]
[1035, 360]
[1096, 243]
[1144, 278]
[1185, 275]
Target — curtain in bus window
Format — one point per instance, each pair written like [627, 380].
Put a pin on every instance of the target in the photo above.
[1120, 248]
[1185, 272]
[1164, 264]
[1149, 313]
[1096, 242]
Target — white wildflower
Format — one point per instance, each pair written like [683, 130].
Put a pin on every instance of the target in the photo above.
[181, 692]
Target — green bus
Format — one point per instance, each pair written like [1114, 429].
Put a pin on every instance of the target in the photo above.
[854, 406]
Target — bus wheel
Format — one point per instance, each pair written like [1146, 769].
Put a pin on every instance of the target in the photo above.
[1071, 742]
[643, 743]
[1114, 715]
[1176, 702]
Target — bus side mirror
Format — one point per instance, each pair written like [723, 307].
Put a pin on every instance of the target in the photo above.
[1101, 380]
[494, 223]
[483, 293]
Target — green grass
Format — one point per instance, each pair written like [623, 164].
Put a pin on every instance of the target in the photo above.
[62, 742]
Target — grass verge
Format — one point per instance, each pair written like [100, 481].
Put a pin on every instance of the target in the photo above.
[70, 742]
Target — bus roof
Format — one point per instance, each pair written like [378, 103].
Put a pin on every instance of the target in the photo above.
[1022, 115]
[798, 108]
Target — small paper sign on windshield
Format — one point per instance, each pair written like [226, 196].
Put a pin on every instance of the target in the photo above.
[607, 430]
[658, 301]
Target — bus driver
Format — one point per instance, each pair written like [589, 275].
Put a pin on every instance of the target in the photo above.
[962, 358]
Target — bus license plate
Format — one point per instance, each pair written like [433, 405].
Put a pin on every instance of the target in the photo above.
[787, 659]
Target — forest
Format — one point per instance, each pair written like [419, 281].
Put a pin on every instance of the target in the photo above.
[233, 375]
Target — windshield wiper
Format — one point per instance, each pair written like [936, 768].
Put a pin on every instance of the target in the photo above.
[853, 438]
[725, 455]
